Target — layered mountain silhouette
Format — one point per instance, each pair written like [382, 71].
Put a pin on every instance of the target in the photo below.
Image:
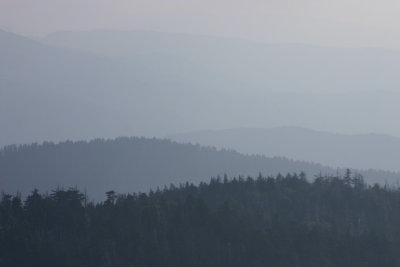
[364, 151]
[113, 83]
[289, 67]
[140, 164]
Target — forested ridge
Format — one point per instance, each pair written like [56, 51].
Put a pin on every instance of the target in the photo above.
[131, 164]
[277, 221]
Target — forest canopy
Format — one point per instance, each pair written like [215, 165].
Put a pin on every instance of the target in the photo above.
[265, 221]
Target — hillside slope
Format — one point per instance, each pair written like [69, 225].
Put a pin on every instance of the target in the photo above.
[364, 151]
[137, 164]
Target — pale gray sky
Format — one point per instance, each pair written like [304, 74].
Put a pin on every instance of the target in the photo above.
[333, 22]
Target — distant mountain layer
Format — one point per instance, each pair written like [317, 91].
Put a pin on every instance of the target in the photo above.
[81, 85]
[357, 151]
[290, 67]
[138, 164]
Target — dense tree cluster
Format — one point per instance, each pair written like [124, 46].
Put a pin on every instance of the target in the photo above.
[282, 221]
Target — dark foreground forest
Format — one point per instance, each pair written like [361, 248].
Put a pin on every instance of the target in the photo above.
[282, 221]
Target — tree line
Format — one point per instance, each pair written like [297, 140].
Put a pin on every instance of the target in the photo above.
[139, 164]
[265, 221]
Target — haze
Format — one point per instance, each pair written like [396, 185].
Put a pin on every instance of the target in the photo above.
[276, 73]
[182, 133]
[345, 23]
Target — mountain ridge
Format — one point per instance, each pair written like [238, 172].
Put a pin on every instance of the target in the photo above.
[141, 164]
[376, 151]
[223, 85]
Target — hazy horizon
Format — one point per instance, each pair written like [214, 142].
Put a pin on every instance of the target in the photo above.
[73, 70]
[147, 83]
[340, 23]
